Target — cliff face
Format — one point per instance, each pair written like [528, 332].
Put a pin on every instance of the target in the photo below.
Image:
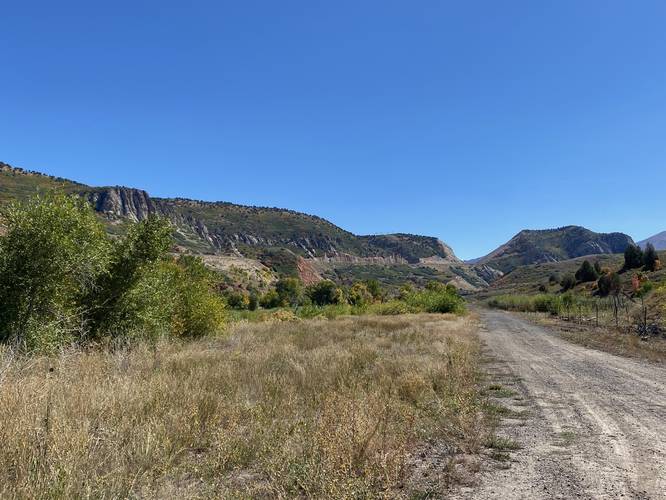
[134, 204]
[245, 231]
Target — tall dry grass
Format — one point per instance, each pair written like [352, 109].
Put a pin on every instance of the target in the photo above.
[316, 408]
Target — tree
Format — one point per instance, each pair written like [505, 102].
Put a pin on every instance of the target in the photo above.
[553, 278]
[586, 273]
[198, 310]
[270, 300]
[633, 257]
[134, 266]
[608, 283]
[290, 291]
[650, 258]
[53, 253]
[568, 281]
[359, 295]
[597, 268]
[325, 292]
[375, 289]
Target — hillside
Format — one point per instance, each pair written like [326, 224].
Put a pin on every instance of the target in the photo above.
[658, 240]
[283, 240]
[529, 279]
[553, 245]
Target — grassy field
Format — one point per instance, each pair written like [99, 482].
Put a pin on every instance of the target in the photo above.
[317, 408]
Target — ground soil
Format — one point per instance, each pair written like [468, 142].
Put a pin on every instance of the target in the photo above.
[589, 424]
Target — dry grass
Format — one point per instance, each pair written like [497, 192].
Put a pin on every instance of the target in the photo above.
[325, 409]
[606, 338]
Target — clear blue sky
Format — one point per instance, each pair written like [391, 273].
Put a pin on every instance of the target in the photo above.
[466, 120]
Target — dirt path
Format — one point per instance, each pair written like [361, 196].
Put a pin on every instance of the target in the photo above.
[596, 424]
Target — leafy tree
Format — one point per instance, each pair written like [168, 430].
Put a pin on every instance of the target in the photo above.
[238, 300]
[253, 301]
[375, 289]
[567, 281]
[198, 310]
[633, 257]
[553, 278]
[359, 295]
[608, 283]
[650, 258]
[134, 266]
[53, 253]
[597, 268]
[290, 291]
[586, 272]
[440, 300]
[435, 286]
[325, 292]
[270, 300]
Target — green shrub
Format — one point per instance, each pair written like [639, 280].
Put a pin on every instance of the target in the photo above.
[443, 301]
[62, 279]
[290, 291]
[198, 311]
[52, 254]
[586, 272]
[325, 292]
[359, 295]
[608, 283]
[270, 300]
[391, 308]
[568, 281]
[116, 304]
[527, 303]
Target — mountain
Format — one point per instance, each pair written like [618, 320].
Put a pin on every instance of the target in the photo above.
[658, 240]
[282, 240]
[552, 245]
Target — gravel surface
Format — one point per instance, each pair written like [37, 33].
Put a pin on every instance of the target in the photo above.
[590, 424]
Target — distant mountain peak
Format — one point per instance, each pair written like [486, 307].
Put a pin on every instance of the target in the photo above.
[533, 246]
[658, 241]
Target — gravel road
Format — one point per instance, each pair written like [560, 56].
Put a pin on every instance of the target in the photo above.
[593, 424]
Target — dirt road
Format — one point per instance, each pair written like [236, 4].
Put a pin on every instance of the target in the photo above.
[595, 424]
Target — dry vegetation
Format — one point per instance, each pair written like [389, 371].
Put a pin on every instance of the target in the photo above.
[301, 408]
[605, 337]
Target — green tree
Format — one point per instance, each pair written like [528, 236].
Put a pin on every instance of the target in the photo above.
[325, 292]
[290, 291]
[633, 257]
[134, 266]
[586, 272]
[375, 289]
[198, 310]
[568, 282]
[359, 295]
[608, 284]
[597, 268]
[650, 258]
[270, 299]
[53, 252]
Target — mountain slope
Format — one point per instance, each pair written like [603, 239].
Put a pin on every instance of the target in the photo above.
[552, 245]
[658, 240]
[278, 238]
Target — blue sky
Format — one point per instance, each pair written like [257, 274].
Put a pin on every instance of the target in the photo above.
[464, 120]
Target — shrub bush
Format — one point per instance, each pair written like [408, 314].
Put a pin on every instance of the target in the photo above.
[52, 254]
[586, 272]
